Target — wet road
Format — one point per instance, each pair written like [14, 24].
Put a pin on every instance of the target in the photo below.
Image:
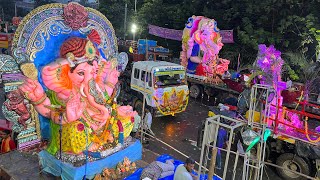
[181, 133]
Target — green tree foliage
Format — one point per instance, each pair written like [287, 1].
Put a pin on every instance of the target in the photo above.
[299, 68]
[316, 34]
[282, 23]
[286, 24]
[165, 13]
[114, 10]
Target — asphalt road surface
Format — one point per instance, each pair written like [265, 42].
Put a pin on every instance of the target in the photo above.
[181, 132]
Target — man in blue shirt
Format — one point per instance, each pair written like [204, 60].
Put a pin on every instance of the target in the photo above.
[194, 60]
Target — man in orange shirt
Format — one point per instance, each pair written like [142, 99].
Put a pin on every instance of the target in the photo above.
[7, 144]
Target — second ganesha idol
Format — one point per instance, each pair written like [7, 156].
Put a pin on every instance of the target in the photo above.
[76, 94]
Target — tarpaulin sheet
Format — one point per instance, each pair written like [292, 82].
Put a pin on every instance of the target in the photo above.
[136, 175]
[227, 35]
[68, 172]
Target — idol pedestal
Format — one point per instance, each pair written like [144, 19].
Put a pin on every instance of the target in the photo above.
[52, 165]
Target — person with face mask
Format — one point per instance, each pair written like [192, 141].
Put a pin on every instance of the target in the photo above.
[184, 171]
[7, 143]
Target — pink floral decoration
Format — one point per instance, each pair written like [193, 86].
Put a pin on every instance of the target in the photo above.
[268, 57]
[269, 61]
[75, 16]
[223, 66]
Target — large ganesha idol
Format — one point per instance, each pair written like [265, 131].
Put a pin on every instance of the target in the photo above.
[201, 43]
[76, 85]
[81, 82]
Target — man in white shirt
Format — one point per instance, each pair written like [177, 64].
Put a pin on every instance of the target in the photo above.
[148, 118]
[183, 171]
[136, 125]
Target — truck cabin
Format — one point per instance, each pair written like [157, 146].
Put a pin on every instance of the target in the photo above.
[157, 74]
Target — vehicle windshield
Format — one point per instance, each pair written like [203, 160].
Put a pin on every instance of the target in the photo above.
[169, 80]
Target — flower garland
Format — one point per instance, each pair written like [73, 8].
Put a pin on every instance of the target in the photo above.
[170, 112]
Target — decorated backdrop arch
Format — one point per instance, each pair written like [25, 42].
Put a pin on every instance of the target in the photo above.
[44, 29]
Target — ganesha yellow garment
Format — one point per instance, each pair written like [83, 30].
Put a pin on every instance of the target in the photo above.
[127, 127]
[74, 137]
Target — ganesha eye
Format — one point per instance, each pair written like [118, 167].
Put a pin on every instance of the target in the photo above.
[81, 73]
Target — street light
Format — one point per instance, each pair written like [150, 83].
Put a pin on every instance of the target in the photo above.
[135, 6]
[134, 28]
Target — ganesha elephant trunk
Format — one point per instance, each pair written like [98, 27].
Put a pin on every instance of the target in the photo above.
[96, 99]
[215, 48]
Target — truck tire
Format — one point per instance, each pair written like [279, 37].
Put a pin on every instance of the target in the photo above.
[292, 162]
[195, 91]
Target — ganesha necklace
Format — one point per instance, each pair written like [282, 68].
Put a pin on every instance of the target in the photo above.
[90, 119]
[96, 92]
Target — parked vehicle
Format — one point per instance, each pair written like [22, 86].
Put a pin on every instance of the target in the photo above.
[162, 84]
[144, 49]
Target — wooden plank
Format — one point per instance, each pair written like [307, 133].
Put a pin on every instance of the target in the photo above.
[212, 163]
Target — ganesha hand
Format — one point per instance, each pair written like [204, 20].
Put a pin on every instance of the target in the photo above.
[32, 90]
[103, 69]
[75, 108]
[112, 78]
[196, 59]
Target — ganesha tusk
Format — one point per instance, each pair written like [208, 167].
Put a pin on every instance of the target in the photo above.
[81, 90]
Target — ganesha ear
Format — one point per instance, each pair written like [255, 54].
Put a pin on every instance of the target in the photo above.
[55, 77]
[214, 37]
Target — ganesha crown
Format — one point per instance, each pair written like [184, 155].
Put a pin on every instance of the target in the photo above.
[90, 55]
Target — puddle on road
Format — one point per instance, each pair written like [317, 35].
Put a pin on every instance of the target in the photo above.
[192, 142]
